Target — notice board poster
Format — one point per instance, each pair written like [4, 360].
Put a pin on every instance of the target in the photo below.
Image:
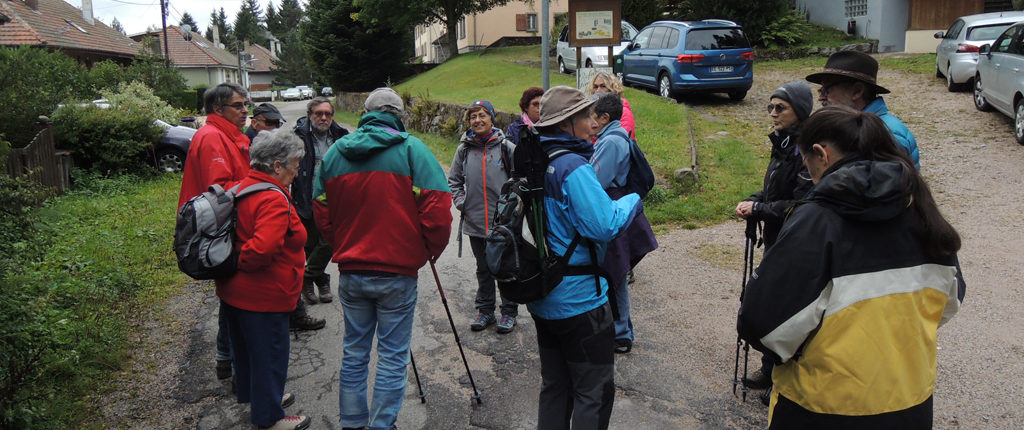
[594, 25]
[595, 22]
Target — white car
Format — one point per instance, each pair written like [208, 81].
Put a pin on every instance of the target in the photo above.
[999, 83]
[593, 56]
[291, 94]
[956, 57]
[307, 92]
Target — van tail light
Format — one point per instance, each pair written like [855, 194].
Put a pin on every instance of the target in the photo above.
[963, 47]
[747, 56]
[689, 58]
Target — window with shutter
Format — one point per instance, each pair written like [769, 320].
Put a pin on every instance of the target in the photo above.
[520, 22]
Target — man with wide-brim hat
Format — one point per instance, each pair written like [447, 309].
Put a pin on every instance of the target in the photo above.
[850, 78]
[575, 335]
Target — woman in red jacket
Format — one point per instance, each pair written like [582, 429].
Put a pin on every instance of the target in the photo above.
[259, 297]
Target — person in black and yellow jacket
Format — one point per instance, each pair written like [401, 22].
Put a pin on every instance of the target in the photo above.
[849, 300]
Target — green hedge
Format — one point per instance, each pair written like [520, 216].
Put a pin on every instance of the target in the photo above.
[107, 141]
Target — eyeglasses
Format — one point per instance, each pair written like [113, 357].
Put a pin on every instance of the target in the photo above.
[323, 113]
[827, 88]
[777, 107]
[238, 105]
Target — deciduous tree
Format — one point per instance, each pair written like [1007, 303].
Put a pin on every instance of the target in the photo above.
[403, 14]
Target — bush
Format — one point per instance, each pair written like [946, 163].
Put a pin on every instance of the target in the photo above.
[32, 83]
[137, 97]
[108, 141]
[788, 30]
[755, 17]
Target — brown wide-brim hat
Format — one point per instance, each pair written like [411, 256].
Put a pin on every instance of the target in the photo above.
[559, 103]
[850, 65]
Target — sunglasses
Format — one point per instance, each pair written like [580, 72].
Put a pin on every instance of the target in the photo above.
[323, 113]
[777, 107]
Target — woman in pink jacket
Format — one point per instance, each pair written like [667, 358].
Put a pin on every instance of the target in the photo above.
[604, 82]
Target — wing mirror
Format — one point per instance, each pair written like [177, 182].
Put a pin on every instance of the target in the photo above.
[940, 34]
[985, 49]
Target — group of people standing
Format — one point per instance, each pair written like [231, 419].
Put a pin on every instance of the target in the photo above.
[857, 252]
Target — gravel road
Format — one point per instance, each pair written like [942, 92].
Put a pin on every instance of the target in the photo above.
[684, 305]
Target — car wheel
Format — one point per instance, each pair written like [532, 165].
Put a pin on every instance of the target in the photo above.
[950, 85]
[737, 95]
[938, 73]
[665, 86]
[1018, 122]
[979, 99]
[561, 66]
[170, 160]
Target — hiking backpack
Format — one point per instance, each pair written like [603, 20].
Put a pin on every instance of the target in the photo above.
[517, 252]
[640, 179]
[205, 230]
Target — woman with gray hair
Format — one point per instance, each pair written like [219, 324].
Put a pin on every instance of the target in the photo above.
[258, 299]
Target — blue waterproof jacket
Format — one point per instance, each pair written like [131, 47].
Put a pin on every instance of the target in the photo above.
[574, 201]
[899, 131]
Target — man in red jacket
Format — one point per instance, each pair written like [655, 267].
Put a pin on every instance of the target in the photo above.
[219, 154]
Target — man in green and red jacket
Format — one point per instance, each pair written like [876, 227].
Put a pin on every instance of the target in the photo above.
[382, 202]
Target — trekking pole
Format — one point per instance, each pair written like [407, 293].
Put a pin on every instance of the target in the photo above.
[423, 398]
[433, 268]
[748, 263]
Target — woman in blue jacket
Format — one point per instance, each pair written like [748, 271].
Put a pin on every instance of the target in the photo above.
[575, 335]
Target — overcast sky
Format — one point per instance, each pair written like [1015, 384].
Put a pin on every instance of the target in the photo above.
[138, 15]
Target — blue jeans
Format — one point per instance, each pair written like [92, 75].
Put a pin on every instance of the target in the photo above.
[384, 303]
[623, 325]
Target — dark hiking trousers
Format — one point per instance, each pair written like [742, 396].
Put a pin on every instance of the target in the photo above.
[318, 253]
[577, 367]
[486, 287]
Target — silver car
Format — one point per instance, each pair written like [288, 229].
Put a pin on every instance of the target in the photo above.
[957, 54]
[592, 55]
[999, 81]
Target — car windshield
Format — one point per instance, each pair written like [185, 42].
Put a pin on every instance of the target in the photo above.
[715, 38]
[987, 32]
[628, 31]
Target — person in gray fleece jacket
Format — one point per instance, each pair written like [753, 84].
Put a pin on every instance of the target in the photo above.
[480, 167]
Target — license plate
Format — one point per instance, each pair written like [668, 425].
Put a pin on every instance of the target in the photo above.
[721, 69]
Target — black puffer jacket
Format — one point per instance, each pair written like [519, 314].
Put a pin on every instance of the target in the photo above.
[302, 187]
[785, 182]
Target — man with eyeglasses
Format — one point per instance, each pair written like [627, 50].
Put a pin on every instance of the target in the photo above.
[319, 131]
[219, 154]
[264, 117]
[849, 79]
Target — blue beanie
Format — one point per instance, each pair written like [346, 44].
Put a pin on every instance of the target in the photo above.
[486, 104]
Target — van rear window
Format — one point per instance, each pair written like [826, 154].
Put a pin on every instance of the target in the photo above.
[715, 38]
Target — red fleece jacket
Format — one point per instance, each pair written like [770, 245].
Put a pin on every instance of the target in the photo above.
[219, 154]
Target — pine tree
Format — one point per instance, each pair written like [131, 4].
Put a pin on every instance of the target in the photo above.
[221, 21]
[248, 26]
[116, 25]
[272, 20]
[186, 19]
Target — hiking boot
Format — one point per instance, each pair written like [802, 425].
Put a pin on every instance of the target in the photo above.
[482, 321]
[306, 323]
[507, 323]
[759, 380]
[295, 422]
[766, 396]
[325, 290]
[623, 346]
[223, 369]
[308, 294]
[287, 400]
[630, 278]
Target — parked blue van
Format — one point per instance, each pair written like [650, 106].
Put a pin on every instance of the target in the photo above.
[678, 57]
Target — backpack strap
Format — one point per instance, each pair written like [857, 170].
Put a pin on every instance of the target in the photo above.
[260, 186]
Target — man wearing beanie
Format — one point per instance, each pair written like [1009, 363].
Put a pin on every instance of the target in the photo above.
[785, 182]
[382, 202]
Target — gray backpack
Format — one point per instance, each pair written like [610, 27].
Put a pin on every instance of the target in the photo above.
[205, 230]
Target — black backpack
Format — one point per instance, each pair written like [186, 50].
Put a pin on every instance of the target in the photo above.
[517, 252]
[640, 179]
[205, 230]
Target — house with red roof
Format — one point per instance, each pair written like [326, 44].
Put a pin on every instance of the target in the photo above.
[59, 26]
[202, 62]
[261, 77]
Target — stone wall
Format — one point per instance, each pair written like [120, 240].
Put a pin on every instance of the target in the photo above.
[427, 116]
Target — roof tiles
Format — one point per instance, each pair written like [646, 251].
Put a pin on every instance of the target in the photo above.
[60, 25]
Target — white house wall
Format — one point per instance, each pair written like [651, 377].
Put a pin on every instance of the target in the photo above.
[886, 20]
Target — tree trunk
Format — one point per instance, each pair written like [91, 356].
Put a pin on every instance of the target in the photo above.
[452, 26]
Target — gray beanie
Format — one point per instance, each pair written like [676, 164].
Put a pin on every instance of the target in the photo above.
[799, 95]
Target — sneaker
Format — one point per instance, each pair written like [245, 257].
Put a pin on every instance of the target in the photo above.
[308, 293]
[759, 380]
[623, 346]
[287, 400]
[295, 422]
[507, 323]
[482, 321]
[306, 323]
[223, 369]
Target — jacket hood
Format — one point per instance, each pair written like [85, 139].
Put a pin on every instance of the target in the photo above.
[563, 140]
[470, 138]
[377, 131]
[863, 190]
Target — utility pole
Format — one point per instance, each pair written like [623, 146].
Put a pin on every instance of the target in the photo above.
[544, 36]
[163, 17]
[238, 44]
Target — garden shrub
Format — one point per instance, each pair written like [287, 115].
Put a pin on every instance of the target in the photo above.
[108, 141]
[137, 97]
[788, 30]
[32, 83]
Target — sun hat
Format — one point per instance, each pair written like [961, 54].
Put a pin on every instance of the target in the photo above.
[799, 96]
[268, 111]
[559, 103]
[850, 65]
[384, 97]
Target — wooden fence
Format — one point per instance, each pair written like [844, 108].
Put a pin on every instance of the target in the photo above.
[41, 161]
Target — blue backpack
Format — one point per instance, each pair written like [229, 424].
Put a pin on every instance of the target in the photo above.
[640, 179]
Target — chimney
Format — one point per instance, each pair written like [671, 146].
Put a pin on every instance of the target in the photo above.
[216, 36]
[32, 4]
[87, 12]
